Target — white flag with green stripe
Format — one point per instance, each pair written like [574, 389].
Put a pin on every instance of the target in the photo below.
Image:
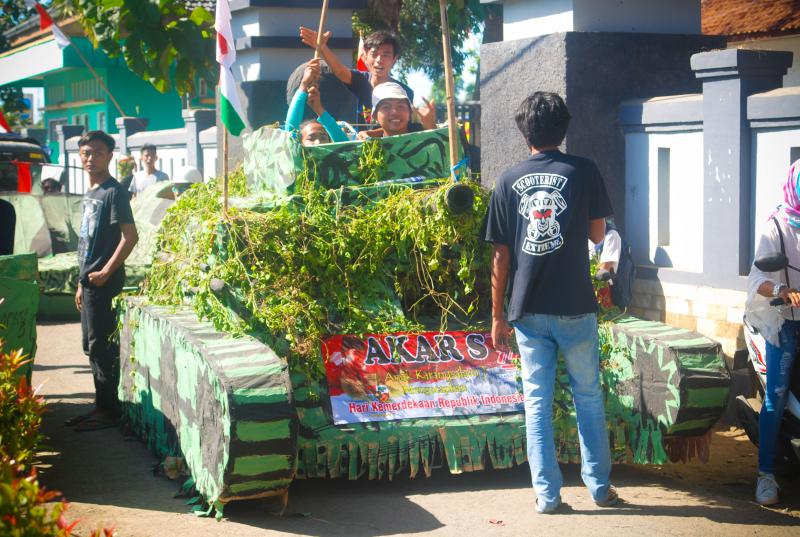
[231, 109]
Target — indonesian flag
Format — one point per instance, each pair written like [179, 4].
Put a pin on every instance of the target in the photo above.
[45, 21]
[231, 110]
[360, 64]
[3, 123]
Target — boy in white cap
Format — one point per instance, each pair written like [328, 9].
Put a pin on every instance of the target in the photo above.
[392, 109]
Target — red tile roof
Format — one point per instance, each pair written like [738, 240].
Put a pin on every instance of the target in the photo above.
[748, 17]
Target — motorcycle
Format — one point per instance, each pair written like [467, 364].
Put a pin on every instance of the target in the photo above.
[748, 408]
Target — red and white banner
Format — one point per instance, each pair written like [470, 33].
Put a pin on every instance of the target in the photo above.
[414, 375]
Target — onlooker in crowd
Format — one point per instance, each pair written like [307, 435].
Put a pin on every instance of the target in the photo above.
[382, 50]
[780, 327]
[392, 109]
[607, 250]
[126, 165]
[148, 175]
[615, 265]
[542, 212]
[324, 129]
[50, 186]
[107, 236]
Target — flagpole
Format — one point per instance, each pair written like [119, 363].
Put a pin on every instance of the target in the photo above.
[97, 77]
[448, 84]
[224, 171]
[322, 18]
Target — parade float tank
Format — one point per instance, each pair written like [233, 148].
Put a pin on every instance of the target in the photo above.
[334, 324]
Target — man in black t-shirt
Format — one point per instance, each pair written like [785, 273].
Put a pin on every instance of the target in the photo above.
[106, 238]
[540, 216]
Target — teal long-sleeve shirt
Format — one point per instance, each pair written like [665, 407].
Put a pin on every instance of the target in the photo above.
[295, 116]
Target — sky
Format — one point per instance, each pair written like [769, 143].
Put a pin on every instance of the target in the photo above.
[422, 84]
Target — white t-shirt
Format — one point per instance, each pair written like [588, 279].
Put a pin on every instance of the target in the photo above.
[141, 180]
[611, 249]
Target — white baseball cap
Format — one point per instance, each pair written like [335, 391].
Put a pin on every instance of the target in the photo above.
[388, 90]
[187, 175]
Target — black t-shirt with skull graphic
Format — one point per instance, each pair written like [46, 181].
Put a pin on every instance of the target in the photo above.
[540, 209]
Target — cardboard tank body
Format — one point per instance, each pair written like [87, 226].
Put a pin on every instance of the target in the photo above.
[250, 412]
[19, 301]
[50, 230]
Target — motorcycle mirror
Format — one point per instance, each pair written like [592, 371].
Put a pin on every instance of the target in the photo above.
[772, 262]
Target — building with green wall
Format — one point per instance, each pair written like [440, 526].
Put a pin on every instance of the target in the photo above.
[75, 96]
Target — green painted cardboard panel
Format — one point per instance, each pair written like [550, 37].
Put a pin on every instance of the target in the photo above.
[273, 159]
[19, 300]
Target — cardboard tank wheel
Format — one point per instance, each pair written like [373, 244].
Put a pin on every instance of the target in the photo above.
[336, 98]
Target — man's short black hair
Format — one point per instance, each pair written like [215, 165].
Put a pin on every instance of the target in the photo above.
[382, 37]
[101, 136]
[149, 147]
[543, 118]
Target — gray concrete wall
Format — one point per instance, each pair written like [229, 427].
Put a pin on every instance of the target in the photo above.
[510, 71]
[595, 72]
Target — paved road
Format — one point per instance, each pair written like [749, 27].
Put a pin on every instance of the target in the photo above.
[109, 480]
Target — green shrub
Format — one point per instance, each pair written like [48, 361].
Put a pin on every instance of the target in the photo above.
[24, 509]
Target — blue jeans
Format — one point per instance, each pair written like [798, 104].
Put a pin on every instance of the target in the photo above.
[779, 371]
[540, 338]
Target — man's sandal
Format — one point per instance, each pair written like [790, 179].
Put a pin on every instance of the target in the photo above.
[611, 500]
[80, 418]
[96, 424]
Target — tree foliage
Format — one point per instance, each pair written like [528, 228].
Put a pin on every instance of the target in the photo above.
[166, 44]
[162, 42]
[13, 13]
[418, 25]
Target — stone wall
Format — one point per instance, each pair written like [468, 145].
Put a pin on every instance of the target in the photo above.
[716, 313]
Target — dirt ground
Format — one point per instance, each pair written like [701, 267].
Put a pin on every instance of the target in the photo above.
[108, 480]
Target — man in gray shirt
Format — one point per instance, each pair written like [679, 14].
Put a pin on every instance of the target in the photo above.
[148, 175]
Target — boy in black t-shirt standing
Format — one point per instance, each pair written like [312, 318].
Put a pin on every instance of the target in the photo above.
[540, 216]
[107, 236]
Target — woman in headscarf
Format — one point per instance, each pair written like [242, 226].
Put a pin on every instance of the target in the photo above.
[780, 327]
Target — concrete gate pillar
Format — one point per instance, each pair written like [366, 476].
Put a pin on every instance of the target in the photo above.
[595, 54]
[268, 48]
[729, 77]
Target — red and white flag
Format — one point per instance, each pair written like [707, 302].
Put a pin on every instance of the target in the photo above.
[3, 123]
[360, 64]
[45, 21]
[231, 109]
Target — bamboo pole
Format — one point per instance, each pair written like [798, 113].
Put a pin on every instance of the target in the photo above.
[224, 171]
[322, 17]
[98, 78]
[449, 84]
